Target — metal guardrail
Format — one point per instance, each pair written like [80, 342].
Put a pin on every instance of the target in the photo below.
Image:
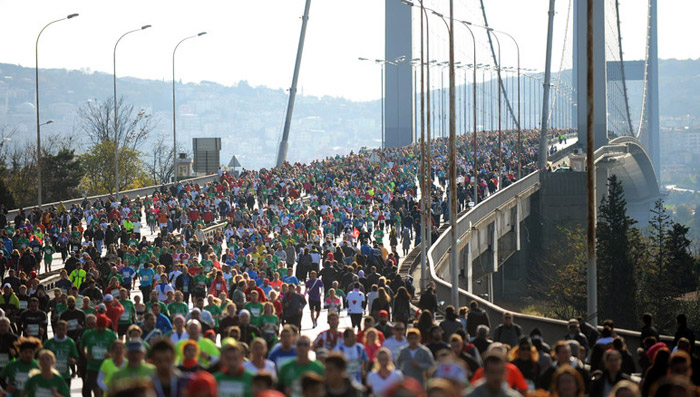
[438, 256]
[131, 193]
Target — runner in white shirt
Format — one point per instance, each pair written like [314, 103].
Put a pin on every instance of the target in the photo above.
[385, 375]
[398, 341]
[258, 362]
[356, 299]
[355, 354]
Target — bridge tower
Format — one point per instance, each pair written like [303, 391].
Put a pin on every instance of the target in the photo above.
[398, 80]
[604, 71]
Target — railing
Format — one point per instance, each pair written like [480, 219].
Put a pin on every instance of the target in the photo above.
[439, 255]
[131, 193]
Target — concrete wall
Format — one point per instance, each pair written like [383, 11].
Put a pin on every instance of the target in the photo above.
[131, 193]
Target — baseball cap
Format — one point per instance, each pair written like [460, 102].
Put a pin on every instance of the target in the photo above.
[108, 298]
[383, 313]
[101, 307]
[135, 345]
[7, 285]
[203, 382]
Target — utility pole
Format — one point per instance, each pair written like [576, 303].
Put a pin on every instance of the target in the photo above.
[592, 276]
[542, 161]
[454, 256]
[284, 144]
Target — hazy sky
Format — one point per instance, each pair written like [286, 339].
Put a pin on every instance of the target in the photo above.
[256, 40]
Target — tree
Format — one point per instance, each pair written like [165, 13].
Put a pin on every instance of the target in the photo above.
[616, 240]
[681, 264]
[160, 159]
[97, 122]
[133, 128]
[560, 277]
[61, 175]
[657, 292]
[98, 169]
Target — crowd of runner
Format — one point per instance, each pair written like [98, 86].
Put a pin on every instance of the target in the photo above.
[151, 300]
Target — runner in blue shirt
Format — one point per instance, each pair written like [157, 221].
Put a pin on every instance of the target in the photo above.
[313, 289]
[290, 278]
[147, 274]
[127, 275]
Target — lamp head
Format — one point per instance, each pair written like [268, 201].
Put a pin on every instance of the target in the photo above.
[201, 34]
[144, 27]
[406, 2]
[72, 16]
[363, 59]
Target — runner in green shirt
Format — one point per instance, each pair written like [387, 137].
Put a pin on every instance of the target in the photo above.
[235, 381]
[49, 250]
[136, 369]
[64, 349]
[255, 308]
[178, 307]
[46, 382]
[128, 317]
[214, 309]
[16, 373]
[290, 374]
[96, 343]
[269, 324]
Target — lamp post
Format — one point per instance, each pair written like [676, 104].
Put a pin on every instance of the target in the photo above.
[116, 117]
[426, 182]
[174, 126]
[381, 89]
[476, 180]
[38, 125]
[454, 255]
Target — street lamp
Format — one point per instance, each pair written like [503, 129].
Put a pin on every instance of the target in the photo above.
[38, 126]
[426, 183]
[174, 128]
[454, 255]
[47, 123]
[381, 89]
[116, 129]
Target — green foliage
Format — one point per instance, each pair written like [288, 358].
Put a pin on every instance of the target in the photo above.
[6, 198]
[61, 173]
[616, 257]
[560, 278]
[98, 169]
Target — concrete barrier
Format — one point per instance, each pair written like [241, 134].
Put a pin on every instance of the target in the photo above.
[439, 256]
[131, 193]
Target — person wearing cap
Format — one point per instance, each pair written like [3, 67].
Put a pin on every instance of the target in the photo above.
[9, 300]
[136, 369]
[114, 310]
[95, 344]
[202, 384]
